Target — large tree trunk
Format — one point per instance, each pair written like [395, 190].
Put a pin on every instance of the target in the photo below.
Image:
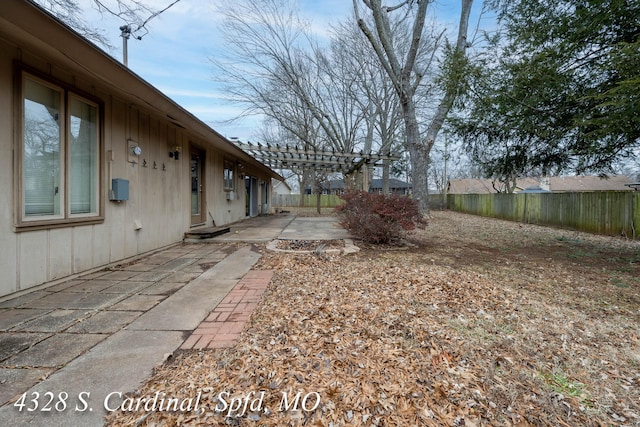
[406, 81]
[419, 156]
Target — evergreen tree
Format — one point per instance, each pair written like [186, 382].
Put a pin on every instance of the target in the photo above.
[558, 89]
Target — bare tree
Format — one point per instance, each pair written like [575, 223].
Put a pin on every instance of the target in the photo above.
[133, 13]
[372, 90]
[275, 68]
[406, 75]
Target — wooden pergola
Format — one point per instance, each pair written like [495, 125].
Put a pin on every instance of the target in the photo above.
[292, 157]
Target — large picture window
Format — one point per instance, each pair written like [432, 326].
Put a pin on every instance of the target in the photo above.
[60, 173]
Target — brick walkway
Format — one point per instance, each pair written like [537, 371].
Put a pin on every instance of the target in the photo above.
[223, 326]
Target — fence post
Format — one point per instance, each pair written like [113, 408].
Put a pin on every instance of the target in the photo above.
[635, 213]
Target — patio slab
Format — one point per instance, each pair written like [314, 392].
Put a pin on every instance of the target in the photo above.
[88, 286]
[126, 287]
[315, 228]
[256, 230]
[162, 288]
[65, 285]
[16, 381]
[57, 300]
[13, 343]
[151, 276]
[119, 275]
[10, 317]
[95, 301]
[113, 366]
[180, 277]
[55, 351]
[138, 303]
[200, 295]
[105, 322]
[54, 321]
[22, 300]
[175, 265]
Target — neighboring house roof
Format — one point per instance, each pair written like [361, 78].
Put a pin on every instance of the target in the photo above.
[32, 26]
[338, 184]
[470, 186]
[589, 183]
[393, 183]
[334, 184]
[556, 184]
[281, 184]
[536, 189]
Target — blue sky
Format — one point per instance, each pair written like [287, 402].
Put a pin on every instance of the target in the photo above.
[175, 55]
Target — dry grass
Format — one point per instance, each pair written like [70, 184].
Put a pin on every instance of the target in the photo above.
[483, 322]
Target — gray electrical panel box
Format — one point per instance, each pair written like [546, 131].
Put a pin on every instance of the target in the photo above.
[119, 189]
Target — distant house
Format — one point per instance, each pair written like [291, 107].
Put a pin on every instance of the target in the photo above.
[470, 186]
[337, 186]
[567, 184]
[534, 189]
[396, 186]
[333, 186]
[281, 187]
[555, 184]
[97, 165]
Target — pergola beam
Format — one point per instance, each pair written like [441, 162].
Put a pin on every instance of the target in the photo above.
[285, 157]
[295, 150]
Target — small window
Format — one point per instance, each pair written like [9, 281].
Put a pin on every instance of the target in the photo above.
[228, 176]
[60, 155]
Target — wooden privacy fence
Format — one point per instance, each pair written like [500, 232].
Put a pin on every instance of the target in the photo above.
[613, 213]
[310, 200]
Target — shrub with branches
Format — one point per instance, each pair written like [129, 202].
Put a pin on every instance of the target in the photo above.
[379, 218]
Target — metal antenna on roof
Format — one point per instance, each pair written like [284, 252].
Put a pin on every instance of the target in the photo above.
[125, 34]
[126, 31]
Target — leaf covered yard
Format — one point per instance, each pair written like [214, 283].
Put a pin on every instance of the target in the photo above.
[479, 322]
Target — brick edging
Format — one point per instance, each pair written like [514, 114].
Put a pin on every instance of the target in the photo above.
[224, 324]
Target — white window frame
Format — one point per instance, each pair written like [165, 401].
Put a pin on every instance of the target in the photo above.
[229, 181]
[63, 218]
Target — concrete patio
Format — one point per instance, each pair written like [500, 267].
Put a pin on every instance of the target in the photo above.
[105, 331]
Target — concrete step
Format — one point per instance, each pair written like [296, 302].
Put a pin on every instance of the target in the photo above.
[206, 233]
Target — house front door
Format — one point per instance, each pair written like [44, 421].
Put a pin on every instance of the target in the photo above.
[251, 187]
[198, 205]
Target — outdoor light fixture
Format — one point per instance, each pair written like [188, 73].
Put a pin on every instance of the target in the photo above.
[175, 154]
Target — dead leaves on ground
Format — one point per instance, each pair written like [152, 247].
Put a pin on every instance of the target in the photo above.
[392, 339]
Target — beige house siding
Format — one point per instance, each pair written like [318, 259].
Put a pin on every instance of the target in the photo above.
[159, 196]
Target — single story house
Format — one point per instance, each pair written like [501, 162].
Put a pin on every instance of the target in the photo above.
[97, 165]
[281, 187]
[332, 186]
[396, 186]
[555, 184]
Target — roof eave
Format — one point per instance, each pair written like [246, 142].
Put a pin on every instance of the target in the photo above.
[60, 44]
